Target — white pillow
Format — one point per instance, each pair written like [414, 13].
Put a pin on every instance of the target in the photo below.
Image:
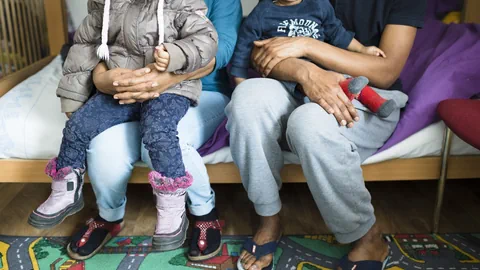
[31, 121]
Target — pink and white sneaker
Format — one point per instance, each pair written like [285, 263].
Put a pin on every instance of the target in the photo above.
[65, 200]
[172, 221]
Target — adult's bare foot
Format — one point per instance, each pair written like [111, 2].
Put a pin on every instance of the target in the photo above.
[269, 230]
[371, 247]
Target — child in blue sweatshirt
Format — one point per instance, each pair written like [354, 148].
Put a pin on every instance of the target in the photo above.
[305, 18]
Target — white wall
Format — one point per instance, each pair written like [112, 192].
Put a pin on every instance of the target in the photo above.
[248, 5]
[78, 11]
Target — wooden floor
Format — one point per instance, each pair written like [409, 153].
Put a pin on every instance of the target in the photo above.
[400, 207]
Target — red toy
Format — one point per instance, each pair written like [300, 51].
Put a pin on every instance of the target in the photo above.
[357, 88]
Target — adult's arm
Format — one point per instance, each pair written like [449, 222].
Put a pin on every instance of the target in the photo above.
[276, 57]
[396, 42]
[117, 80]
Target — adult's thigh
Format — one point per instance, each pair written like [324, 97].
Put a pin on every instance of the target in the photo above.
[110, 159]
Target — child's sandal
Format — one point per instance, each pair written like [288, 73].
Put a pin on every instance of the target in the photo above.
[91, 238]
[206, 239]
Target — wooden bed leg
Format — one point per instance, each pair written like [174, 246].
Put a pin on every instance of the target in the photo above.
[447, 141]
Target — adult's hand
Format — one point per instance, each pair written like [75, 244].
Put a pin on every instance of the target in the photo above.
[131, 86]
[103, 78]
[323, 87]
[268, 53]
[148, 83]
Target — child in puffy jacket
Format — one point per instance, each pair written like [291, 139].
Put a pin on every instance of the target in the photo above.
[177, 37]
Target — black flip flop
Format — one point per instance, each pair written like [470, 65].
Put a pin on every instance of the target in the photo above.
[346, 264]
[259, 251]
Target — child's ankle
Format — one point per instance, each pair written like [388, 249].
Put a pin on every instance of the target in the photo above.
[99, 218]
[213, 215]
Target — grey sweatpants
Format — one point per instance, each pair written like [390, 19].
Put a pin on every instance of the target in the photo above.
[265, 118]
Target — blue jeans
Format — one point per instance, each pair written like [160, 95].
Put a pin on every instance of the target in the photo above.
[112, 155]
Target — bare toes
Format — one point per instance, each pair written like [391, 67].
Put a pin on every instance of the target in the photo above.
[243, 254]
[244, 260]
[262, 262]
[249, 261]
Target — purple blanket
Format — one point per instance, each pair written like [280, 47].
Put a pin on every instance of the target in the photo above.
[219, 140]
[444, 64]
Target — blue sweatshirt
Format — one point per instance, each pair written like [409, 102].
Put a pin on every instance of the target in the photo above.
[310, 18]
[226, 16]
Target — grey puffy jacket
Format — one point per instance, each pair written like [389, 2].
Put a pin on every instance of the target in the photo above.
[190, 39]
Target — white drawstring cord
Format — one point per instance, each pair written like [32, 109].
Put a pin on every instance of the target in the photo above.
[161, 29]
[102, 51]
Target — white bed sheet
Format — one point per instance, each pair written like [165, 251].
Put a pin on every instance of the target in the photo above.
[427, 142]
[31, 126]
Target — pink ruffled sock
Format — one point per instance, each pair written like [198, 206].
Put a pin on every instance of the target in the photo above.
[162, 183]
[58, 174]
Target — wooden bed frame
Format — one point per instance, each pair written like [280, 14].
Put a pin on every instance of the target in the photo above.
[29, 171]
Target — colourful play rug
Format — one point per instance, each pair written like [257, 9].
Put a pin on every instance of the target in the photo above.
[429, 252]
